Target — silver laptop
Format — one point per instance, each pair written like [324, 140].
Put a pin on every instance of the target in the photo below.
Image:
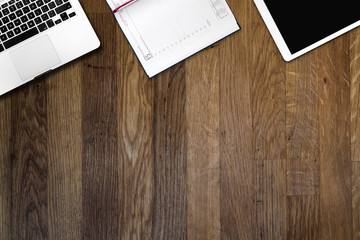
[37, 36]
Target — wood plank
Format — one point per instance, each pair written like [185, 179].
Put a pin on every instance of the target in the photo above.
[303, 165]
[303, 176]
[5, 167]
[267, 93]
[95, 6]
[303, 217]
[29, 162]
[203, 144]
[238, 170]
[65, 152]
[355, 94]
[355, 127]
[169, 204]
[271, 199]
[100, 164]
[135, 150]
[268, 108]
[334, 137]
[302, 119]
[356, 199]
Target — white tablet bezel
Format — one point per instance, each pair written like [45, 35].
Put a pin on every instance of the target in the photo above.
[279, 40]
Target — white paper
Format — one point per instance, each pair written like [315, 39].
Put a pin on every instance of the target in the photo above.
[165, 32]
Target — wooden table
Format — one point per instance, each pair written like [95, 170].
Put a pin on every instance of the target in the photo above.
[233, 143]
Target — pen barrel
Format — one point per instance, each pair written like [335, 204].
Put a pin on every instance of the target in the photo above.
[124, 5]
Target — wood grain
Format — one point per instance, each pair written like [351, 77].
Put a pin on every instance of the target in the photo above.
[237, 176]
[29, 163]
[355, 128]
[135, 144]
[271, 199]
[233, 143]
[302, 124]
[334, 138]
[302, 137]
[95, 6]
[303, 217]
[100, 173]
[203, 145]
[65, 150]
[356, 199]
[169, 201]
[5, 167]
[267, 92]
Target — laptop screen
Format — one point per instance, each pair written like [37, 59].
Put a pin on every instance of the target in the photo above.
[302, 23]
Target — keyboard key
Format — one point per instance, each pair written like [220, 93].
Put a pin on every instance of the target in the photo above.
[4, 5]
[37, 20]
[20, 38]
[26, 9]
[1, 23]
[39, 3]
[24, 19]
[10, 25]
[5, 20]
[19, 5]
[72, 14]
[3, 29]
[58, 2]
[11, 2]
[5, 11]
[12, 16]
[31, 15]
[12, 8]
[47, 1]
[17, 22]
[10, 34]
[45, 8]
[63, 8]
[64, 16]
[19, 13]
[44, 17]
[37, 12]
[17, 31]
[26, 2]
[52, 5]
[42, 27]
[52, 13]
[24, 27]
[50, 23]
[31, 24]
[32, 6]
[1, 48]
[3, 37]
[58, 21]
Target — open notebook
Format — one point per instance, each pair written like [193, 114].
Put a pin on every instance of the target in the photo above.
[165, 32]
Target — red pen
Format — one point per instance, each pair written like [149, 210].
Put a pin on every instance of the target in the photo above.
[124, 5]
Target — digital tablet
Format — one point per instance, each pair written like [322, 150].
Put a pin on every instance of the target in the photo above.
[300, 26]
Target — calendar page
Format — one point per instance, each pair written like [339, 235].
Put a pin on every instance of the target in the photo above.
[165, 32]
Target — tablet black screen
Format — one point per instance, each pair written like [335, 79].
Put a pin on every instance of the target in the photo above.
[302, 23]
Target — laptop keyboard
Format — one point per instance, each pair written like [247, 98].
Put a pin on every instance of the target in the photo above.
[23, 19]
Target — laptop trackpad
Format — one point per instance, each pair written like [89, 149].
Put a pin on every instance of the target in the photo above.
[35, 58]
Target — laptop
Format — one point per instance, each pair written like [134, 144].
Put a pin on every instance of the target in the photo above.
[37, 36]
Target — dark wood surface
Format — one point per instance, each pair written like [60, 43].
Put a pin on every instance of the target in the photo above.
[233, 143]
